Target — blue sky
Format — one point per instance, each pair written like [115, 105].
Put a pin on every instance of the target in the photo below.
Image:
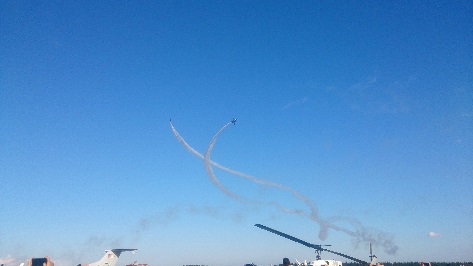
[355, 118]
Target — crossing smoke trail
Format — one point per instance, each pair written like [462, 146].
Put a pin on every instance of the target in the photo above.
[209, 170]
[361, 234]
[249, 177]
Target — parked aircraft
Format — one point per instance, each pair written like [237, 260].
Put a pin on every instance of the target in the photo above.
[318, 249]
[110, 258]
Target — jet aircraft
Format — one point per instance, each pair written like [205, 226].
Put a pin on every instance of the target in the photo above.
[233, 121]
[110, 258]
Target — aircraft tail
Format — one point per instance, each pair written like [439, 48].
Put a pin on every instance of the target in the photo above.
[110, 258]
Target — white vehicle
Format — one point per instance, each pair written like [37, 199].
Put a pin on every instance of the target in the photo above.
[320, 262]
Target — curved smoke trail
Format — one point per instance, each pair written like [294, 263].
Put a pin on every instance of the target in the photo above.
[209, 170]
[254, 179]
[361, 234]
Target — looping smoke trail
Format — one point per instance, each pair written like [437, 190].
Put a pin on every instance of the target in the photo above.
[360, 235]
[255, 180]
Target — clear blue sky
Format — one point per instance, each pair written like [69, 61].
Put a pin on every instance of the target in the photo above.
[365, 108]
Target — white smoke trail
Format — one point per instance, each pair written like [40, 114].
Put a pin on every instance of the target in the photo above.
[209, 170]
[360, 235]
[249, 177]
